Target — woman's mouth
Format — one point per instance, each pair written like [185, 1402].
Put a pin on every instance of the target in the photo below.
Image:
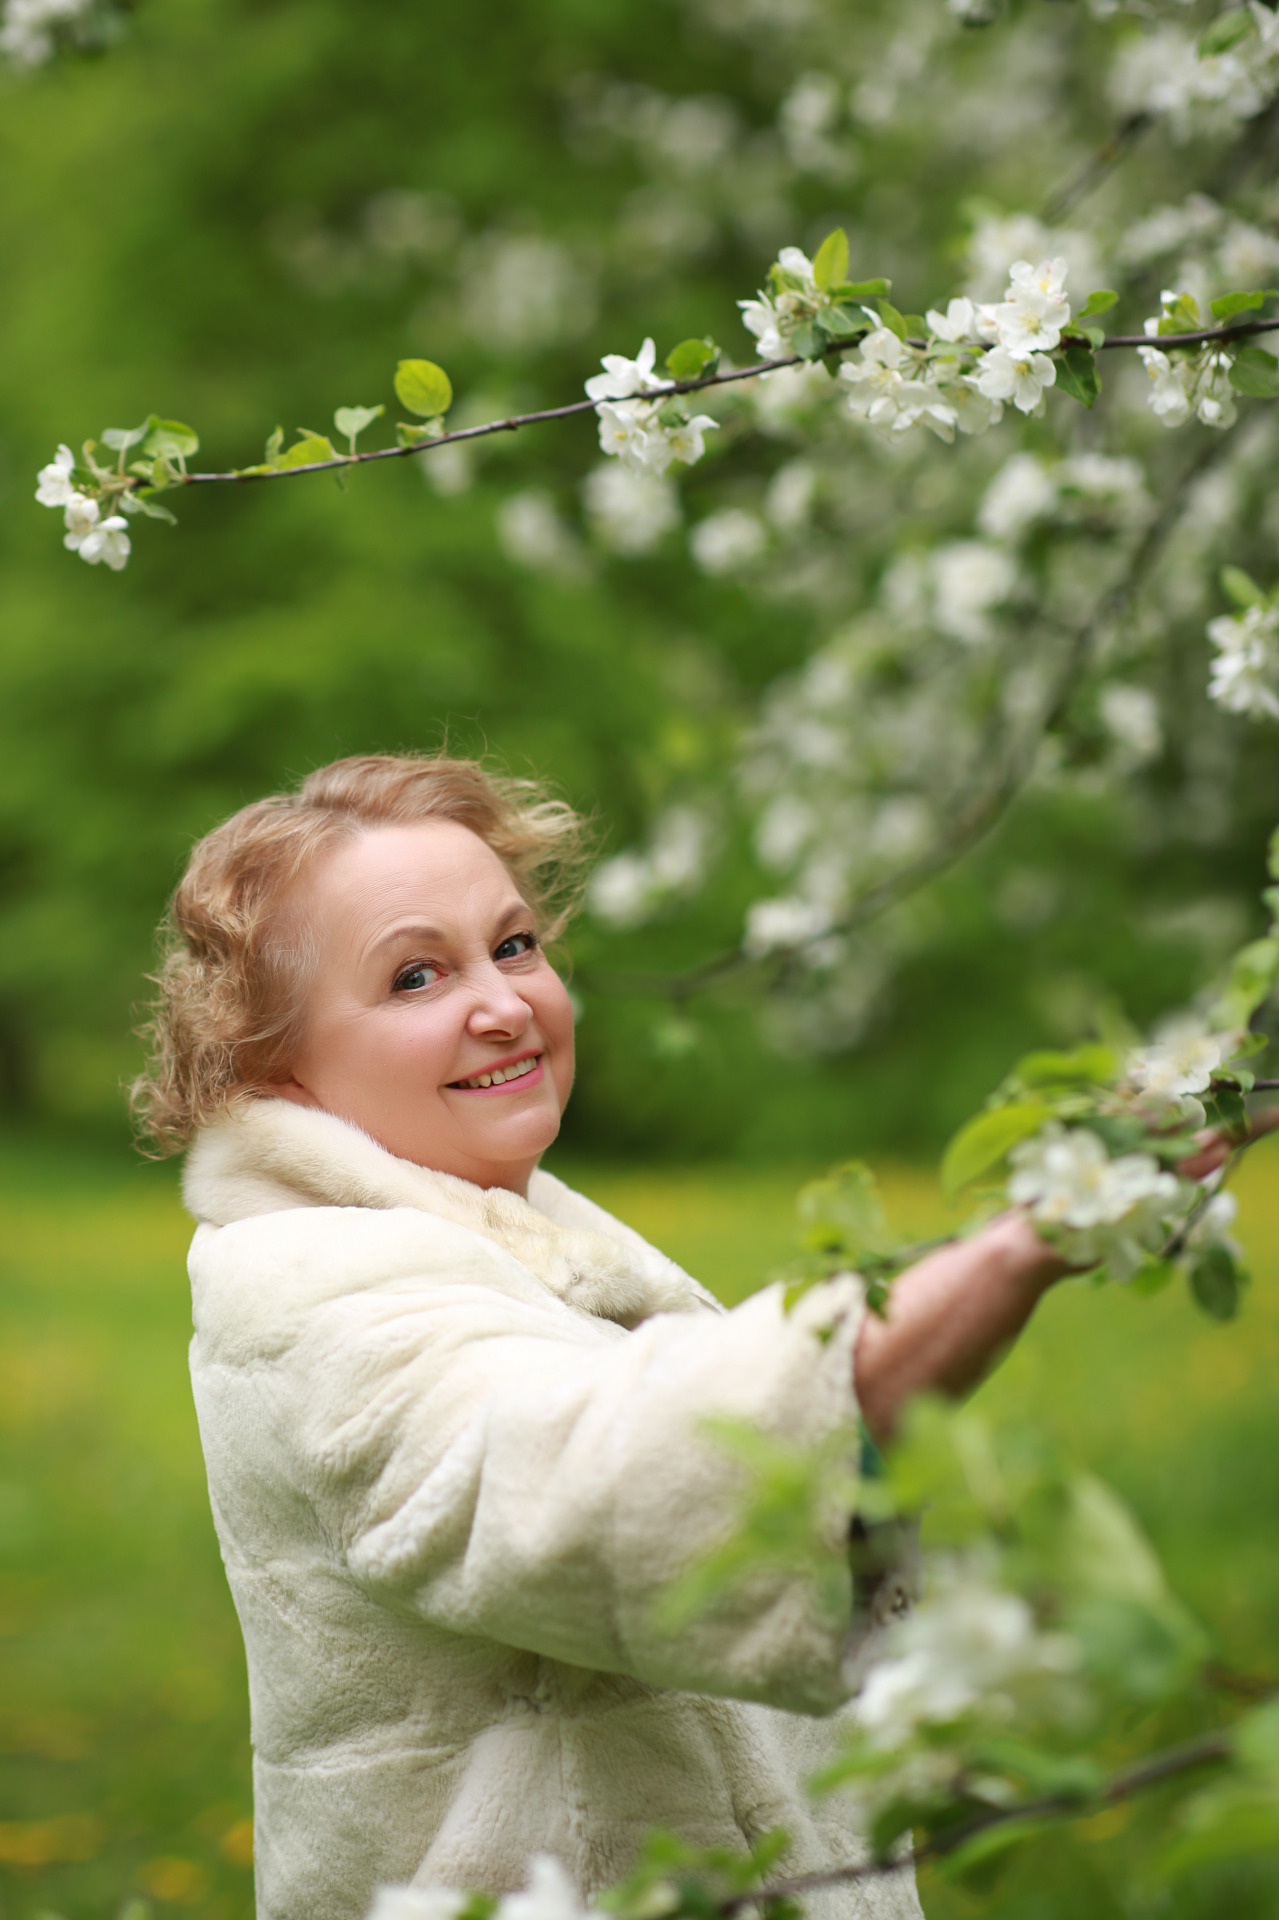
[527, 1071]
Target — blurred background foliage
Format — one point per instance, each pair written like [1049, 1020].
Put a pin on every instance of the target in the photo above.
[249, 209]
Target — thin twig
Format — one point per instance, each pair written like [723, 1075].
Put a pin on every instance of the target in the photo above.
[1212, 1749]
[513, 422]
[1096, 168]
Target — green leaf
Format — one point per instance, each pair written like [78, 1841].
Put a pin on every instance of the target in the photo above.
[808, 343]
[1182, 317]
[1217, 1282]
[1229, 304]
[408, 433]
[690, 359]
[985, 1140]
[274, 442]
[843, 1213]
[1257, 1737]
[1153, 1277]
[305, 452]
[1077, 372]
[351, 421]
[990, 1845]
[862, 289]
[1256, 372]
[831, 262]
[1241, 588]
[120, 438]
[1253, 974]
[1100, 302]
[1226, 31]
[1081, 1067]
[423, 388]
[844, 323]
[891, 318]
[141, 503]
[1224, 1107]
[169, 439]
[1225, 1825]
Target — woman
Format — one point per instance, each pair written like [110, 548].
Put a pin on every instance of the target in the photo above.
[453, 1413]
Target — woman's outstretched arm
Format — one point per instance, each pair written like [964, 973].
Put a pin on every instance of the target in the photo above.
[950, 1317]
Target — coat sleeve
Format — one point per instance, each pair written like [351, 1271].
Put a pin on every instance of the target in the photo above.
[514, 1469]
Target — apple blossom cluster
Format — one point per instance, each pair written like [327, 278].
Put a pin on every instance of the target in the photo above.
[30, 29]
[1097, 1210]
[1244, 676]
[87, 532]
[955, 1655]
[976, 358]
[640, 422]
[1206, 84]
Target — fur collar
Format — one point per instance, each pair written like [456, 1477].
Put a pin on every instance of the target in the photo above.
[265, 1156]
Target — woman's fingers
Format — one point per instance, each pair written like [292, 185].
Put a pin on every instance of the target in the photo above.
[1216, 1147]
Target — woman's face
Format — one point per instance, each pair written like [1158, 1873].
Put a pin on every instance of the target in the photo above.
[430, 982]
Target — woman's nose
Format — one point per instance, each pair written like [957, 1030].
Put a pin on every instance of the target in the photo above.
[498, 1004]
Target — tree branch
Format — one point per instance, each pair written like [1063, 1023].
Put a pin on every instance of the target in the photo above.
[1174, 1761]
[513, 422]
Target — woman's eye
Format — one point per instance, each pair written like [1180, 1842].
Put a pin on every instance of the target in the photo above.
[516, 945]
[414, 978]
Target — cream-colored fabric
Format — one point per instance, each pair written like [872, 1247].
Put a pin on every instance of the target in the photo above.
[456, 1453]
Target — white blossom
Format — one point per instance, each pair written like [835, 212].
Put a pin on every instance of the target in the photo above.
[28, 32]
[629, 511]
[1116, 1211]
[416, 1903]
[1131, 716]
[622, 378]
[784, 922]
[954, 1655]
[686, 442]
[624, 434]
[970, 579]
[625, 890]
[1163, 73]
[108, 540]
[1035, 308]
[957, 325]
[1169, 400]
[1021, 378]
[56, 487]
[1178, 1065]
[1022, 492]
[1245, 673]
[773, 317]
[727, 540]
[533, 534]
[884, 391]
[80, 518]
[549, 1895]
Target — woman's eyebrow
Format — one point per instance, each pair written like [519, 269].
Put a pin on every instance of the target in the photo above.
[421, 930]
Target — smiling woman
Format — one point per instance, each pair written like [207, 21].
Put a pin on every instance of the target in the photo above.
[456, 1417]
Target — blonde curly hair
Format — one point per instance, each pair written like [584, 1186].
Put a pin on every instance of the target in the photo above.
[232, 980]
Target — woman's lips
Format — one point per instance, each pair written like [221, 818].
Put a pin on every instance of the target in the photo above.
[533, 1078]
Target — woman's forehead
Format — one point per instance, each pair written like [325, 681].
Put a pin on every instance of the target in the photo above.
[435, 871]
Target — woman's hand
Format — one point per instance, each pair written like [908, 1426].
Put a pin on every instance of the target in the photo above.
[1216, 1147]
[950, 1317]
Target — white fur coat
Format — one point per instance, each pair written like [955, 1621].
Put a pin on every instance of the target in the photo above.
[456, 1453]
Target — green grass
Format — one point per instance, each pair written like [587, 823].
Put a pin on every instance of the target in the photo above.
[123, 1719]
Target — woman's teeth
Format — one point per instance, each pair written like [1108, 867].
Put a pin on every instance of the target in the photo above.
[500, 1075]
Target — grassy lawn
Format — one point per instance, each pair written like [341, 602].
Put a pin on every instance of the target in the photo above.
[123, 1723]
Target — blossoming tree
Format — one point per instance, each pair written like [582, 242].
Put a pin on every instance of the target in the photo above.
[1046, 501]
